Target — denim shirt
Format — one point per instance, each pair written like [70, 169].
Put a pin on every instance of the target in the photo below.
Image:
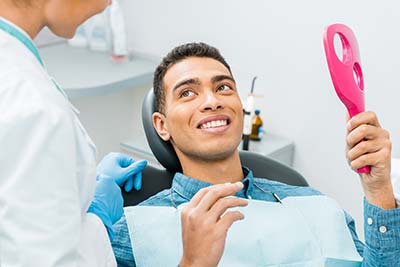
[382, 227]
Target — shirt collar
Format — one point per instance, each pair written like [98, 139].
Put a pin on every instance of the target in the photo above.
[187, 187]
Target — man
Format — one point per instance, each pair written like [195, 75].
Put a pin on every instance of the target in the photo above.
[200, 113]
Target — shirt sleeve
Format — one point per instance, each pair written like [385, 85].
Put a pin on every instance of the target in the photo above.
[382, 236]
[121, 244]
[352, 227]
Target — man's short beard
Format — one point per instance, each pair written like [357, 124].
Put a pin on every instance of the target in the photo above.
[203, 156]
[220, 156]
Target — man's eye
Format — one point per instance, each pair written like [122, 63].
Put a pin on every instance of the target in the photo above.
[187, 93]
[224, 88]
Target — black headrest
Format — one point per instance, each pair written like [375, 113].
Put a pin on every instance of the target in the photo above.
[163, 151]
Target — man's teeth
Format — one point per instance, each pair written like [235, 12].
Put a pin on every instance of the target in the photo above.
[214, 124]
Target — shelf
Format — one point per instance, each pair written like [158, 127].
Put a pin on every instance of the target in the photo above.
[81, 72]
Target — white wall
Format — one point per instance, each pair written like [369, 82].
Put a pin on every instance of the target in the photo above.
[281, 43]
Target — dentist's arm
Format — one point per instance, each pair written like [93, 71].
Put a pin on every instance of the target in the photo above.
[369, 145]
[113, 171]
[205, 224]
[107, 203]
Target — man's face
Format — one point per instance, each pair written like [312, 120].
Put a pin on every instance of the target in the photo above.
[203, 112]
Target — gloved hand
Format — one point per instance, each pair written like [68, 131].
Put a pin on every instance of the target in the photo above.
[123, 169]
[107, 203]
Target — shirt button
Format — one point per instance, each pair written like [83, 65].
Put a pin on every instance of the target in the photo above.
[369, 221]
[249, 197]
[382, 229]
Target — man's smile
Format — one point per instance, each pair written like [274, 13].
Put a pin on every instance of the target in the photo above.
[214, 124]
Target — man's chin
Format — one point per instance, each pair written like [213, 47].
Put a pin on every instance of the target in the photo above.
[218, 154]
[209, 150]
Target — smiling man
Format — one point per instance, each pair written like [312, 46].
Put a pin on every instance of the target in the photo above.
[203, 118]
[200, 113]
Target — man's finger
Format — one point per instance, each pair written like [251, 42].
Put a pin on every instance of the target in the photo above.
[198, 196]
[364, 132]
[228, 219]
[223, 204]
[363, 118]
[371, 159]
[364, 147]
[217, 192]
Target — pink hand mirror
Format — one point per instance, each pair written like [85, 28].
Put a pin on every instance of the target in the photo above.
[346, 73]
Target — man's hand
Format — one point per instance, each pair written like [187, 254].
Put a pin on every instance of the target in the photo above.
[205, 224]
[369, 145]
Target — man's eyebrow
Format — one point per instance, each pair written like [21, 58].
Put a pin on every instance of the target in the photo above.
[186, 82]
[219, 78]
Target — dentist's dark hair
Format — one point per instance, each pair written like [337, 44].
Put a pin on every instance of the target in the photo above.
[176, 55]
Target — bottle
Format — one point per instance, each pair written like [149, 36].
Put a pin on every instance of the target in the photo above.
[256, 127]
[119, 35]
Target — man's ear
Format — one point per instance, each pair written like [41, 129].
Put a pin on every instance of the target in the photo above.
[160, 124]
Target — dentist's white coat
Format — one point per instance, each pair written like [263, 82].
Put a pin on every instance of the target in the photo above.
[47, 171]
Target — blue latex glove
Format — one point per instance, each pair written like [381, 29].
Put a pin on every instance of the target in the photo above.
[123, 169]
[107, 203]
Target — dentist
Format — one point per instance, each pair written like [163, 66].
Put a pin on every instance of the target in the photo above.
[55, 210]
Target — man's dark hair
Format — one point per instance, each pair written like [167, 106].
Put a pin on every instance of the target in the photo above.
[178, 54]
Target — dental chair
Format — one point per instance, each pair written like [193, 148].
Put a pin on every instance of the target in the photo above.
[156, 179]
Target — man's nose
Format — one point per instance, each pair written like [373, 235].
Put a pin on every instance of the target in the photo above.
[212, 102]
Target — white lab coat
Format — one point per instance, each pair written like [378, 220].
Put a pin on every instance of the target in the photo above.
[47, 171]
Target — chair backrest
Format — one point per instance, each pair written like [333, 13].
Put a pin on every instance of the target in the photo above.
[155, 179]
